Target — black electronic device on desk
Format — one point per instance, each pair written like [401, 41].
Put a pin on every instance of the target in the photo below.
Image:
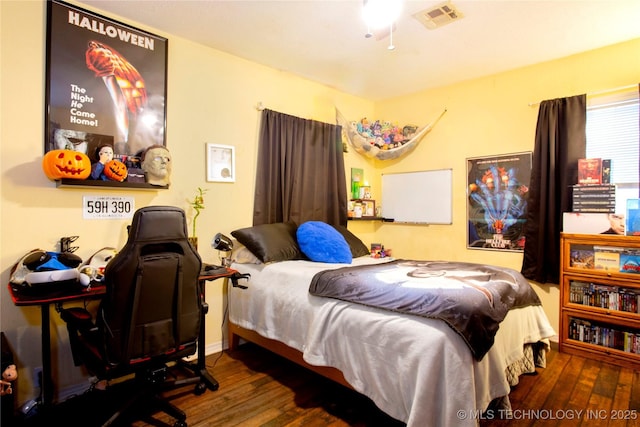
[224, 244]
[212, 272]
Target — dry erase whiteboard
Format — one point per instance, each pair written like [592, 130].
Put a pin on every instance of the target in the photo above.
[423, 197]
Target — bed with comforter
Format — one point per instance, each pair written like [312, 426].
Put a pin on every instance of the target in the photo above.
[430, 342]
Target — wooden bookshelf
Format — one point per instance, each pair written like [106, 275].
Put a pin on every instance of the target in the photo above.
[600, 297]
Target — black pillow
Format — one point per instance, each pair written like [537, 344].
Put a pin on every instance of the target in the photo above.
[357, 247]
[271, 242]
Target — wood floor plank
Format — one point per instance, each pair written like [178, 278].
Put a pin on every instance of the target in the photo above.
[607, 380]
[622, 397]
[598, 410]
[260, 389]
[568, 383]
[582, 391]
[525, 413]
[560, 395]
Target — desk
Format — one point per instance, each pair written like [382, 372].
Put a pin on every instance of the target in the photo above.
[75, 293]
[60, 294]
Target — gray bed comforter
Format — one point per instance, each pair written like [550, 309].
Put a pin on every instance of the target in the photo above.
[471, 298]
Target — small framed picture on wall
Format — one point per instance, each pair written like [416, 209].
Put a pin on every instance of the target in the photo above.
[221, 163]
[369, 208]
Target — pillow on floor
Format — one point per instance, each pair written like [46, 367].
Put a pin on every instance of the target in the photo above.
[320, 242]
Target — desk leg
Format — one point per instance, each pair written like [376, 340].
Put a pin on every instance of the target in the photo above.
[208, 379]
[200, 366]
[46, 380]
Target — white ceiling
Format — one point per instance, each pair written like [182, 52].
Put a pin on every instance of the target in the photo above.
[323, 40]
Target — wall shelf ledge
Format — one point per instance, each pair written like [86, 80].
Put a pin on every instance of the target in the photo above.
[89, 183]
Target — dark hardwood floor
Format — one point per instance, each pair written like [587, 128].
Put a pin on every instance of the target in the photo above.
[258, 388]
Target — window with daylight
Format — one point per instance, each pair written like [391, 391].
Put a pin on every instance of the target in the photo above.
[612, 133]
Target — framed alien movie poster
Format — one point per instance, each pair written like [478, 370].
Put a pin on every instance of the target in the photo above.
[497, 195]
[106, 86]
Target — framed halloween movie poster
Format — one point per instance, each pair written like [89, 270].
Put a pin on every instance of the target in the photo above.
[497, 195]
[106, 85]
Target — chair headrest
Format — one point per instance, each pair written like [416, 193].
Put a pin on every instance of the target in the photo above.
[158, 223]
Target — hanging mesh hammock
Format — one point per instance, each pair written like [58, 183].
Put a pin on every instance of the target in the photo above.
[367, 143]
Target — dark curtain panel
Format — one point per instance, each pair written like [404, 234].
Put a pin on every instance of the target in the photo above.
[560, 142]
[300, 172]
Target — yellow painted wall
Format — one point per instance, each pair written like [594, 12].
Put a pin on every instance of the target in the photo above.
[486, 117]
[212, 98]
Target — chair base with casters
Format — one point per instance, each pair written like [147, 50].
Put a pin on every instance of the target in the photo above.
[144, 389]
[148, 386]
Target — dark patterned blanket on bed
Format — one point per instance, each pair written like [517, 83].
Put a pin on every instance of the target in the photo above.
[471, 298]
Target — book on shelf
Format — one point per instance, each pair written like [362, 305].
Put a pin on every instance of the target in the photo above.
[594, 198]
[588, 208]
[594, 201]
[594, 189]
[581, 256]
[604, 335]
[604, 296]
[630, 261]
[589, 171]
[606, 171]
[606, 258]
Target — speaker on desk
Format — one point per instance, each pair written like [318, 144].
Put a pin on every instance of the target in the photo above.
[222, 243]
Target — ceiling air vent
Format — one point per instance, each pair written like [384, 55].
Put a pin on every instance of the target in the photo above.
[439, 15]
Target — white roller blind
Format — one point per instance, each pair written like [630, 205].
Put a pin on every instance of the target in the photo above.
[612, 133]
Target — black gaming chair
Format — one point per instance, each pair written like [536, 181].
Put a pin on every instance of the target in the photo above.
[150, 315]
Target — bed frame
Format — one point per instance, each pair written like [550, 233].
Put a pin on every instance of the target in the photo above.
[236, 332]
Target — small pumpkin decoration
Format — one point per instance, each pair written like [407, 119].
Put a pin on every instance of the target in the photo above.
[58, 164]
[115, 170]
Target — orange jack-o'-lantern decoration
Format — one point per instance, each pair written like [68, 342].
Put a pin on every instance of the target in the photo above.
[115, 170]
[58, 164]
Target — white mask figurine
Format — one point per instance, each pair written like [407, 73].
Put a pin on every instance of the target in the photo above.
[156, 164]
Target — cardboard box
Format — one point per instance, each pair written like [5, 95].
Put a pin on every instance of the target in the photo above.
[585, 223]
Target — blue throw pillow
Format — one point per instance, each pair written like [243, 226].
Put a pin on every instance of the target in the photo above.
[321, 242]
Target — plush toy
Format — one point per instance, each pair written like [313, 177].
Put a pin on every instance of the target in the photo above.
[8, 368]
[9, 375]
